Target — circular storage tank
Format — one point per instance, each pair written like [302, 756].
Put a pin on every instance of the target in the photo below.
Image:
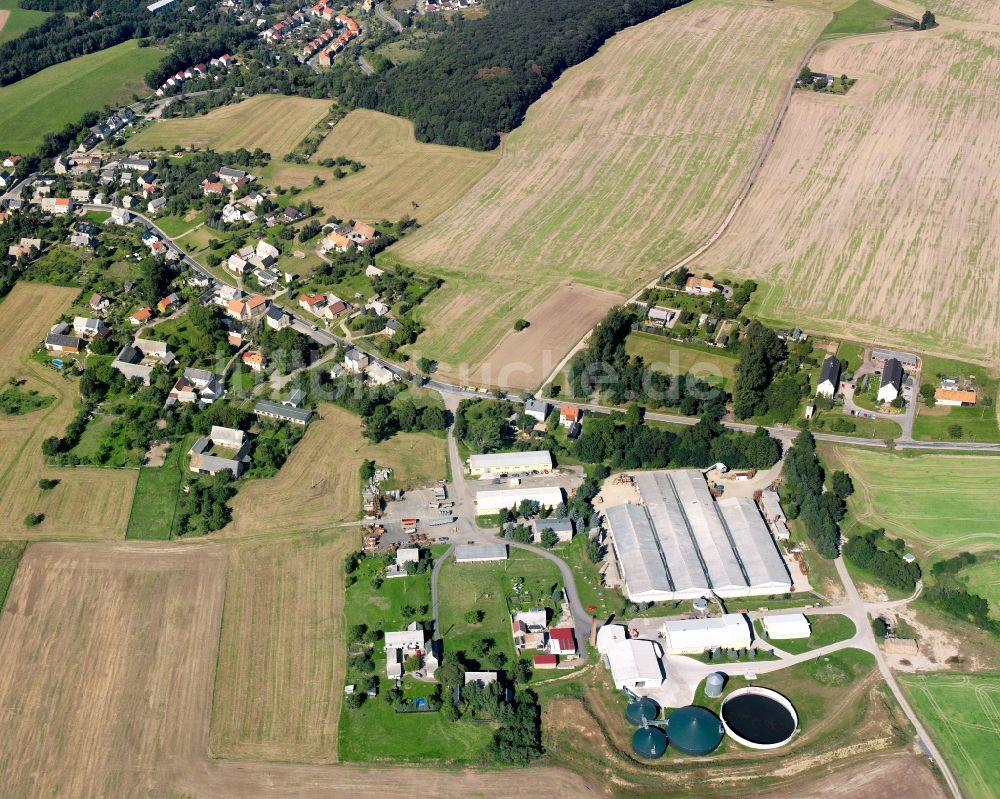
[649, 742]
[694, 730]
[640, 710]
[714, 684]
[759, 718]
[701, 604]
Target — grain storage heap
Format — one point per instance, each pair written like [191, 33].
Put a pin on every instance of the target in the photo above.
[677, 542]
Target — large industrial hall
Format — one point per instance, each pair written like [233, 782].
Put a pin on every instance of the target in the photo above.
[673, 541]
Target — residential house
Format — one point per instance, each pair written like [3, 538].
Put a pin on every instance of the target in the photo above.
[481, 678]
[11, 161]
[24, 247]
[333, 308]
[156, 205]
[700, 285]
[265, 251]
[282, 412]
[89, 328]
[224, 449]
[537, 409]
[224, 294]
[254, 360]
[373, 271]
[168, 304]
[82, 240]
[545, 661]
[563, 529]
[892, 381]
[99, 303]
[569, 415]
[335, 241]
[954, 397]
[379, 375]
[355, 361]
[292, 214]
[236, 263]
[267, 277]
[377, 306]
[61, 164]
[829, 377]
[529, 629]
[231, 176]
[139, 358]
[6, 180]
[402, 644]
[141, 316]
[58, 206]
[136, 164]
[392, 327]
[196, 385]
[56, 342]
[362, 234]
[80, 196]
[661, 317]
[276, 318]
[312, 302]
[212, 185]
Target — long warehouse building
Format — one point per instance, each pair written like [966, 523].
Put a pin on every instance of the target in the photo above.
[493, 501]
[679, 543]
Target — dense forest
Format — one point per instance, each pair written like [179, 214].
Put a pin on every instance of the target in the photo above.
[95, 26]
[477, 79]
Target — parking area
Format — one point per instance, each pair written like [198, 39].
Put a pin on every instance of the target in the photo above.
[417, 504]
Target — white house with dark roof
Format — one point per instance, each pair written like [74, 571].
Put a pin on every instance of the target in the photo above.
[892, 381]
[829, 378]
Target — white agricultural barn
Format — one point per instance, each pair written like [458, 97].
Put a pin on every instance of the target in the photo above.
[492, 501]
[635, 663]
[679, 543]
[785, 626]
[511, 462]
[693, 636]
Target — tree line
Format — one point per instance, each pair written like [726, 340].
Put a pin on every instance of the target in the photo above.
[803, 496]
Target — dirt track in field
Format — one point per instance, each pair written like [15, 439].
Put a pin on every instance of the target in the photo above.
[876, 215]
[4, 14]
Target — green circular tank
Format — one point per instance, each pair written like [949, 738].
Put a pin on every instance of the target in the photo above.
[640, 710]
[694, 730]
[649, 742]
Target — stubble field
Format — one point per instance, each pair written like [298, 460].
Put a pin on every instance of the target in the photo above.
[272, 122]
[402, 177]
[940, 504]
[106, 667]
[875, 215]
[281, 655]
[87, 503]
[628, 163]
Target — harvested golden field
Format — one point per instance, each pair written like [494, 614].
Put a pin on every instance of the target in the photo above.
[87, 503]
[631, 160]
[319, 485]
[524, 359]
[281, 656]
[105, 671]
[975, 11]
[875, 215]
[272, 122]
[402, 177]
[26, 314]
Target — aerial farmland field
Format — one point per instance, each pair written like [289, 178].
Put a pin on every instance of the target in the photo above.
[962, 713]
[15, 20]
[874, 216]
[630, 161]
[50, 99]
[87, 502]
[319, 486]
[940, 504]
[402, 177]
[107, 662]
[272, 122]
[281, 655]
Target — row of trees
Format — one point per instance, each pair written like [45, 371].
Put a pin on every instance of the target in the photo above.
[382, 415]
[887, 565]
[803, 496]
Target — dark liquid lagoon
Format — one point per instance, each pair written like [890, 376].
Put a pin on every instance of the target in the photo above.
[758, 719]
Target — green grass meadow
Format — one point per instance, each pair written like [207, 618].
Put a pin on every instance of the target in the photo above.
[20, 19]
[984, 579]
[10, 557]
[979, 422]
[156, 493]
[669, 357]
[940, 504]
[963, 714]
[863, 16]
[61, 94]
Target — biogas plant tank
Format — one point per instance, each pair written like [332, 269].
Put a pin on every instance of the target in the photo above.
[759, 718]
[714, 684]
